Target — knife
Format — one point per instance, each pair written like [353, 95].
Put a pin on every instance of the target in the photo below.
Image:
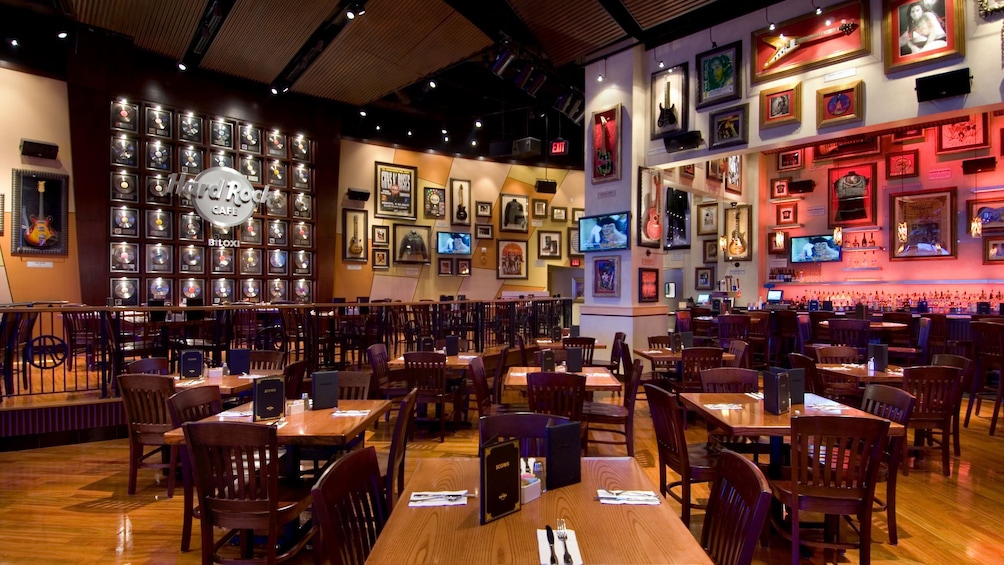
[550, 541]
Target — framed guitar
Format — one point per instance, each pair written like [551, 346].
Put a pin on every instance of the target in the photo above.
[650, 224]
[738, 227]
[461, 190]
[669, 101]
[40, 201]
[605, 128]
[354, 233]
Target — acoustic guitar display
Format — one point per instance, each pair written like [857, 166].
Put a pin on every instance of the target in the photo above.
[785, 46]
[40, 232]
[667, 112]
[604, 160]
[737, 243]
[461, 214]
[355, 246]
[653, 222]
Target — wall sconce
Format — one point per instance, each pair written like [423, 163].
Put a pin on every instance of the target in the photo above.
[838, 236]
[723, 242]
[976, 227]
[779, 239]
[901, 232]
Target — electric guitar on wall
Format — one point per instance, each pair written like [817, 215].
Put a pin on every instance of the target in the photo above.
[40, 232]
[604, 160]
[653, 222]
[355, 246]
[461, 214]
[784, 46]
[667, 112]
[737, 243]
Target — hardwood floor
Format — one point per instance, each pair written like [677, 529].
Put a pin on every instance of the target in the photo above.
[69, 504]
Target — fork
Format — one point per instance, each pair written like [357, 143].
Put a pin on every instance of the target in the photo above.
[563, 536]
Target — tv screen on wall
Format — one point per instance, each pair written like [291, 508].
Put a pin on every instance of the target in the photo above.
[814, 249]
[453, 243]
[607, 232]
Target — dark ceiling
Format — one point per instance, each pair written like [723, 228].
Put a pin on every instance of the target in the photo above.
[382, 61]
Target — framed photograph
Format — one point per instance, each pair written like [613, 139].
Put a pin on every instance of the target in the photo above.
[573, 242]
[354, 231]
[669, 108]
[460, 191]
[789, 160]
[677, 214]
[715, 169]
[993, 250]
[729, 127]
[777, 243]
[483, 209]
[549, 244]
[704, 278]
[989, 210]
[483, 231]
[578, 214]
[650, 226]
[381, 236]
[648, 285]
[412, 244]
[841, 32]
[902, 164]
[738, 230]
[669, 289]
[395, 189]
[846, 147]
[124, 258]
[852, 195]
[719, 75]
[539, 208]
[124, 116]
[445, 267]
[381, 259]
[707, 218]
[914, 33]
[964, 135]
[787, 214]
[607, 276]
[779, 187]
[514, 210]
[908, 135]
[923, 224]
[781, 105]
[559, 214]
[579, 289]
[733, 178]
[990, 7]
[434, 202]
[605, 129]
[710, 254]
[512, 259]
[463, 267]
[840, 104]
[687, 171]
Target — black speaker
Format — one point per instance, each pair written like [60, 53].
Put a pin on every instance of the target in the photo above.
[685, 140]
[546, 186]
[360, 194]
[981, 165]
[944, 85]
[801, 186]
[45, 150]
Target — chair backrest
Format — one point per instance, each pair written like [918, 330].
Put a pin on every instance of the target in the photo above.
[378, 362]
[560, 355]
[696, 359]
[737, 508]
[759, 323]
[353, 385]
[631, 387]
[820, 334]
[528, 427]
[144, 398]
[852, 333]
[667, 421]
[893, 404]
[149, 366]
[837, 454]
[967, 365]
[837, 354]
[524, 360]
[394, 484]
[194, 404]
[293, 375]
[587, 344]
[987, 341]
[905, 336]
[813, 382]
[730, 379]
[741, 350]
[660, 341]
[786, 323]
[683, 321]
[426, 371]
[615, 357]
[561, 394]
[504, 358]
[935, 388]
[733, 326]
[267, 360]
[804, 332]
[924, 339]
[350, 507]
[939, 327]
[482, 390]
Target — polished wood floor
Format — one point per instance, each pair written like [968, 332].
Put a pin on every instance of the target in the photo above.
[69, 504]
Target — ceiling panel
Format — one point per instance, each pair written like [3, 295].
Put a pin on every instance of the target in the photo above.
[568, 29]
[162, 27]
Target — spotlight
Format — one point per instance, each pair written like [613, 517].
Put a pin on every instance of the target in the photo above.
[274, 90]
[432, 83]
[378, 127]
[444, 131]
[409, 133]
[599, 78]
[446, 138]
[285, 89]
[477, 123]
[474, 143]
[362, 113]
[14, 43]
[182, 66]
[662, 64]
[62, 35]
[819, 11]
[772, 27]
[354, 9]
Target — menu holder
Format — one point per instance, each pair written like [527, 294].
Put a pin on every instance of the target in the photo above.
[191, 363]
[880, 353]
[573, 331]
[796, 385]
[547, 360]
[426, 344]
[324, 390]
[573, 359]
[500, 485]
[452, 345]
[556, 333]
[687, 339]
[268, 398]
[562, 449]
[776, 399]
[239, 361]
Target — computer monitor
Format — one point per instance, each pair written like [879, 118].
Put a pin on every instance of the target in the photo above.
[775, 296]
[704, 298]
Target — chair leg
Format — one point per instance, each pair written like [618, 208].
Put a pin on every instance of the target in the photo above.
[135, 452]
[890, 509]
[997, 409]
[955, 432]
[186, 524]
[172, 470]
[685, 495]
[946, 464]
[796, 549]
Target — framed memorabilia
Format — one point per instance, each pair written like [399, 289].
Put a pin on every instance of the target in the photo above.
[964, 135]
[190, 227]
[302, 176]
[303, 262]
[276, 203]
[250, 232]
[787, 214]
[191, 288]
[840, 104]
[125, 187]
[221, 134]
[989, 210]
[460, 192]
[648, 285]
[125, 291]
[707, 218]
[573, 242]
[605, 129]
[578, 214]
[789, 160]
[781, 105]
[221, 159]
[277, 290]
[190, 128]
[160, 288]
[158, 156]
[463, 267]
[249, 139]
[483, 209]
[395, 191]
[902, 164]
[993, 250]
[278, 232]
[445, 267]
[354, 230]
[779, 187]
[275, 145]
[719, 74]
[251, 290]
[434, 202]
[275, 175]
[300, 149]
[607, 276]
[548, 244]
[687, 171]
[911, 134]
[777, 243]
[190, 160]
[302, 235]
[483, 231]
[191, 259]
[840, 33]
[715, 169]
[250, 166]
[852, 195]
[847, 147]
[302, 206]
[124, 222]
[559, 214]
[381, 236]
[514, 211]
[539, 208]
[512, 259]
[650, 226]
[923, 224]
[158, 122]
[124, 151]
[222, 290]
[669, 109]
[412, 244]
[578, 289]
[729, 127]
[278, 262]
[250, 261]
[221, 232]
[381, 259]
[704, 278]
[733, 178]
[914, 33]
[124, 116]
[710, 254]
[677, 214]
[222, 260]
[990, 7]
[303, 291]
[124, 258]
[738, 230]
[159, 224]
[156, 190]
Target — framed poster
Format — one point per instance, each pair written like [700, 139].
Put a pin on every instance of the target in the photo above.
[434, 202]
[605, 127]
[852, 195]
[839, 33]
[649, 204]
[779, 187]
[923, 224]
[460, 191]
[989, 210]
[719, 74]
[902, 164]
[483, 231]
[354, 232]
[41, 205]
[704, 278]
[483, 209]
[738, 230]
[786, 214]
[559, 214]
[729, 127]
[578, 214]
[412, 244]
[789, 160]
[648, 285]
[993, 250]
[381, 259]
[445, 267]
[539, 208]
[514, 213]
[707, 218]
[669, 108]
[733, 178]
[463, 267]
[549, 244]
[710, 254]
[677, 215]
[914, 33]
[781, 105]
[840, 104]
[777, 243]
[381, 236]
[964, 135]
[512, 259]
[909, 134]
[395, 191]
[607, 276]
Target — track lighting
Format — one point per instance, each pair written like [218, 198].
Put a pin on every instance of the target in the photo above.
[182, 66]
[477, 123]
[354, 9]
[62, 35]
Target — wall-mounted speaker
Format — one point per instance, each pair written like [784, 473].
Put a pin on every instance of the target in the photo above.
[546, 186]
[801, 186]
[683, 141]
[360, 194]
[944, 85]
[981, 165]
[43, 149]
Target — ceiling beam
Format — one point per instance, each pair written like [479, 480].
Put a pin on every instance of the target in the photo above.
[703, 18]
[624, 18]
[213, 16]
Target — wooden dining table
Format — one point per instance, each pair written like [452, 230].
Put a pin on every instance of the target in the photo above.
[544, 343]
[458, 362]
[605, 533]
[874, 325]
[665, 356]
[597, 378]
[893, 375]
[230, 385]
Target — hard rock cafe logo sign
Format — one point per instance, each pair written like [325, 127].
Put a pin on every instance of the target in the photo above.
[221, 195]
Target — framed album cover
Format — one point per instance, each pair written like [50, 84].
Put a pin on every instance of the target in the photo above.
[395, 191]
[668, 94]
[704, 278]
[719, 74]
[548, 244]
[278, 262]
[483, 231]
[158, 122]
[191, 259]
[514, 213]
[158, 156]
[190, 160]
[250, 166]
[607, 276]
[648, 285]
[381, 236]
[710, 252]
[729, 126]
[789, 160]
[605, 130]
[276, 145]
[707, 218]
[159, 288]
[249, 138]
[278, 233]
[124, 187]
[512, 258]
[303, 207]
[915, 33]
[124, 222]
[223, 291]
[192, 288]
[460, 191]
[964, 135]
[221, 159]
[250, 232]
[159, 258]
[781, 105]
[190, 128]
[840, 104]
[902, 164]
[221, 134]
[250, 262]
[303, 263]
[539, 208]
[354, 231]
[124, 151]
[124, 291]
[463, 267]
[445, 267]
[124, 116]
[124, 258]
[434, 202]
[159, 224]
[852, 195]
[275, 175]
[190, 227]
[250, 290]
[924, 224]
[303, 235]
[381, 259]
[300, 149]
[222, 260]
[412, 244]
[276, 203]
[302, 177]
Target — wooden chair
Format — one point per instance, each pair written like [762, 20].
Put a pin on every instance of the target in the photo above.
[144, 398]
[350, 507]
[353, 385]
[968, 369]
[236, 470]
[851, 333]
[586, 344]
[560, 394]
[615, 367]
[820, 334]
[813, 382]
[839, 386]
[693, 361]
[759, 339]
[684, 321]
[191, 405]
[834, 465]
[938, 340]
[914, 354]
[988, 352]
[694, 463]
[737, 509]
[785, 336]
[293, 375]
[903, 337]
[741, 350]
[267, 360]
[732, 380]
[149, 366]
[615, 418]
[896, 405]
[665, 369]
[804, 327]
[837, 354]
[394, 477]
[482, 390]
[935, 388]
[392, 385]
[528, 427]
[426, 371]
[733, 326]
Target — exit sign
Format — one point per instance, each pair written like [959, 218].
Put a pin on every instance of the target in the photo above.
[559, 147]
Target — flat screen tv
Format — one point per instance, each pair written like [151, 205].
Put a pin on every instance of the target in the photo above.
[703, 298]
[814, 249]
[453, 243]
[606, 232]
[775, 296]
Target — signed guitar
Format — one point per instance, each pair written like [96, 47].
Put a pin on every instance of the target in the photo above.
[737, 243]
[604, 160]
[667, 112]
[784, 46]
[355, 246]
[40, 232]
[653, 222]
[461, 214]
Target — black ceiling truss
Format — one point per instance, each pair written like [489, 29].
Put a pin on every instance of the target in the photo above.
[213, 16]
